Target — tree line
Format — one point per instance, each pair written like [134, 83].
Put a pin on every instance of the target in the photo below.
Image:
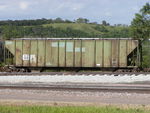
[45, 21]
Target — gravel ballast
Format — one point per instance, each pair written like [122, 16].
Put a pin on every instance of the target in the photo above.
[76, 79]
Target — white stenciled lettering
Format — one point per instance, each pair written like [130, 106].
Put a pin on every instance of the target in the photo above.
[27, 57]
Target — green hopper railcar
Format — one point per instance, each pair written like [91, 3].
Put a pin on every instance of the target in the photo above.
[112, 53]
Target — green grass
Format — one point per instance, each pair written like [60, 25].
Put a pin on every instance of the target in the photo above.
[88, 28]
[47, 109]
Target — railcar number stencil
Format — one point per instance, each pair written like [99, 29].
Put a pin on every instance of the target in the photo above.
[27, 57]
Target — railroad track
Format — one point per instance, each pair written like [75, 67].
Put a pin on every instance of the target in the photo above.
[72, 73]
[142, 88]
[81, 87]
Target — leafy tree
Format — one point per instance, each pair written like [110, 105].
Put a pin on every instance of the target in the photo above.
[68, 21]
[140, 29]
[105, 23]
[12, 32]
[140, 26]
[59, 20]
[82, 20]
[101, 28]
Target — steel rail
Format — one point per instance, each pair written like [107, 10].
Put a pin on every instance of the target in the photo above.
[104, 88]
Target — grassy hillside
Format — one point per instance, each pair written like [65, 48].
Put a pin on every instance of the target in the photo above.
[88, 28]
[64, 30]
[96, 29]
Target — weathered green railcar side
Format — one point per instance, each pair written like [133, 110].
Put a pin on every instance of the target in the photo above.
[100, 53]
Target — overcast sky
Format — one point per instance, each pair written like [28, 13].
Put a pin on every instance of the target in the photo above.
[113, 11]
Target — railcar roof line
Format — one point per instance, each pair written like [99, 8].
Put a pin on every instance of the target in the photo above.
[73, 38]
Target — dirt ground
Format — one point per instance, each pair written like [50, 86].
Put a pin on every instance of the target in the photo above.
[80, 98]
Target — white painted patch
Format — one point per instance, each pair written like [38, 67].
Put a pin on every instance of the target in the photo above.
[25, 57]
[69, 46]
[54, 44]
[98, 65]
[83, 49]
[77, 49]
[8, 42]
[61, 44]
